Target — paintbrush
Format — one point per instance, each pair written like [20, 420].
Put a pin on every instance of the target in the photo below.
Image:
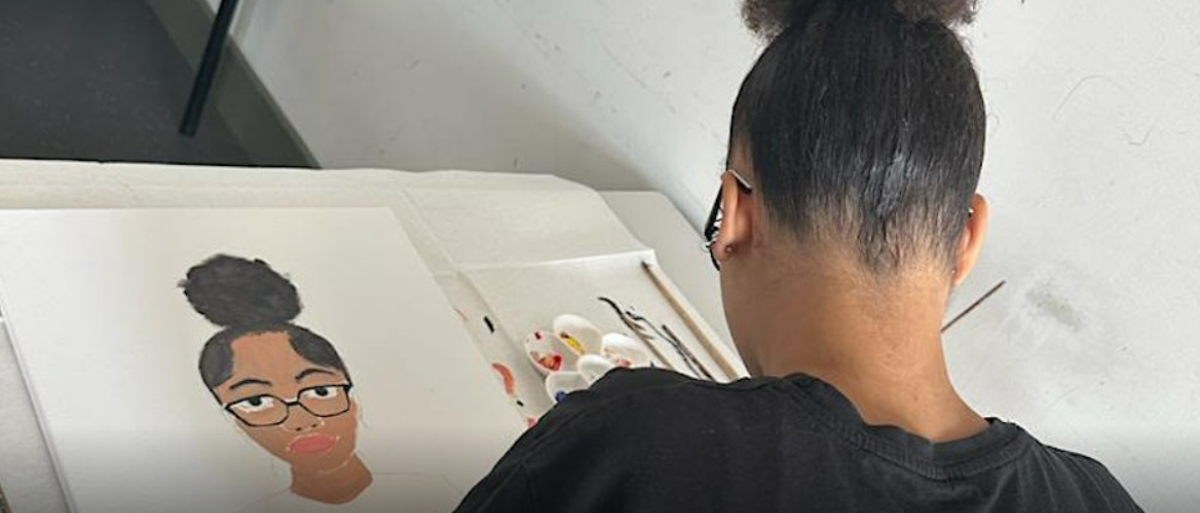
[973, 306]
[648, 332]
[670, 335]
[689, 358]
[674, 297]
[638, 331]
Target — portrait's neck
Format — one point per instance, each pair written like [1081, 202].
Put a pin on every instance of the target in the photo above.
[338, 485]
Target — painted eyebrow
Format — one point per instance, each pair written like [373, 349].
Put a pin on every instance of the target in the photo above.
[249, 381]
[310, 371]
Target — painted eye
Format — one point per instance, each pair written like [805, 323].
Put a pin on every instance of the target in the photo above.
[254, 404]
[321, 393]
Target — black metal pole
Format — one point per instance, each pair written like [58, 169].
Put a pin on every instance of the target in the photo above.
[208, 66]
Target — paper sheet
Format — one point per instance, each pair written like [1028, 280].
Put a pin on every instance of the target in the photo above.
[496, 228]
[109, 347]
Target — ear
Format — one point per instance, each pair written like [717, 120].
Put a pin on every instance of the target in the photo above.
[972, 239]
[737, 221]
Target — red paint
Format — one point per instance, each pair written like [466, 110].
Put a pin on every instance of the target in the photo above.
[507, 375]
[550, 361]
[312, 444]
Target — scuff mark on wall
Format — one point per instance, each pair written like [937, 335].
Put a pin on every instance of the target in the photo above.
[1079, 86]
[1143, 140]
[1051, 303]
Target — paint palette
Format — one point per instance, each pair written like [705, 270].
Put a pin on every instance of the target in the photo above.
[624, 351]
[561, 383]
[578, 333]
[593, 367]
[576, 353]
[548, 353]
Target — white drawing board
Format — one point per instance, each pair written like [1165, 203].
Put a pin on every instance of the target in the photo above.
[109, 347]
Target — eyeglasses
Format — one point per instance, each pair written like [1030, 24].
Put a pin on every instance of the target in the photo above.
[267, 410]
[713, 226]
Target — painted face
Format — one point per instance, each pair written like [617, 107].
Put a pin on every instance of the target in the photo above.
[298, 411]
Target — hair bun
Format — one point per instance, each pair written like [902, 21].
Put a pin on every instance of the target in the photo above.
[769, 18]
[947, 12]
[236, 292]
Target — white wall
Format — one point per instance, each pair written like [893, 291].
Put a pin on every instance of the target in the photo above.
[1094, 135]
[1094, 344]
[612, 94]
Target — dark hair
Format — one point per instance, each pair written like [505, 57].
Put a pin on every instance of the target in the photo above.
[248, 297]
[864, 122]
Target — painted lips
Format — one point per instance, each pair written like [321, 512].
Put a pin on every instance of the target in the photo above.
[311, 444]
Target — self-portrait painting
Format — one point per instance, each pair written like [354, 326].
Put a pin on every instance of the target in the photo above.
[289, 390]
[287, 360]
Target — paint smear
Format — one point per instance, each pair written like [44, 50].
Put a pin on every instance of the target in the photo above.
[510, 383]
[491, 327]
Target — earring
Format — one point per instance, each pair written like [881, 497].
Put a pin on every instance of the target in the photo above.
[729, 249]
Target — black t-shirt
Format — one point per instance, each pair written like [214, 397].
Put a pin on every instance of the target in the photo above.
[656, 441]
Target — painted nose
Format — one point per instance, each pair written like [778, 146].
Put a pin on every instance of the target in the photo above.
[301, 420]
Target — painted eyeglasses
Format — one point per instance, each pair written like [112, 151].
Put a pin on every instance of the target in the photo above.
[267, 410]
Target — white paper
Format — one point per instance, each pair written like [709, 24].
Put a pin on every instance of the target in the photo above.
[496, 228]
[109, 347]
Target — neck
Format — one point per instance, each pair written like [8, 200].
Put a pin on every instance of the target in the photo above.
[338, 485]
[882, 350]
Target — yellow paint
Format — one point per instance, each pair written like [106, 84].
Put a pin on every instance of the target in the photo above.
[574, 344]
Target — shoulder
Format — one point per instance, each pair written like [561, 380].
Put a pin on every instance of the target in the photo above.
[1093, 479]
[628, 407]
[622, 383]
[624, 440]
[645, 391]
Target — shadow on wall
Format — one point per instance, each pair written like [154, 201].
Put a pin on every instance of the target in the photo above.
[421, 86]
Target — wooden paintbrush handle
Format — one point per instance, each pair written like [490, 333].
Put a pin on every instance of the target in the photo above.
[668, 291]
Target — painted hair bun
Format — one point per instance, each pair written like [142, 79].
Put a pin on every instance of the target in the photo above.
[236, 292]
[769, 18]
